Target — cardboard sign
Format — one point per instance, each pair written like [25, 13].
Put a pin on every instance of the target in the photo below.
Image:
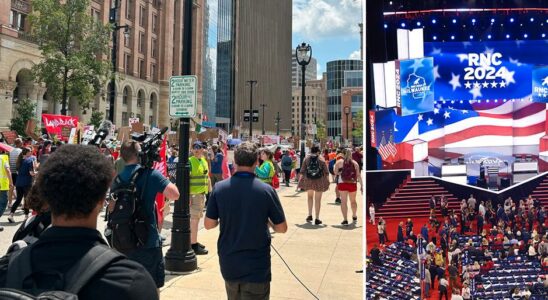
[133, 121]
[30, 129]
[137, 127]
[10, 136]
[65, 132]
[124, 134]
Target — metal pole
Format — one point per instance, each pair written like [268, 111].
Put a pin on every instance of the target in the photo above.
[251, 83]
[113, 58]
[347, 138]
[180, 257]
[303, 132]
[278, 124]
[263, 106]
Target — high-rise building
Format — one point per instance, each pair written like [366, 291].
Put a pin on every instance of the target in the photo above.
[297, 72]
[335, 83]
[253, 38]
[146, 59]
[352, 96]
[315, 103]
[210, 63]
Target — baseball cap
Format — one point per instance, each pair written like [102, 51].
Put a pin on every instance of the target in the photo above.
[197, 145]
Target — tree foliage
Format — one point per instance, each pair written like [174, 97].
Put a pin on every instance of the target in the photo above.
[96, 118]
[25, 111]
[358, 125]
[321, 133]
[73, 46]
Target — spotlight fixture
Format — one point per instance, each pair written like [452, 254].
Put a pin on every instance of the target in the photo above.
[452, 37]
[489, 36]
[402, 24]
[433, 21]
[507, 36]
[511, 20]
[454, 21]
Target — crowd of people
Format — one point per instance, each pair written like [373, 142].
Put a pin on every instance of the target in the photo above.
[94, 179]
[462, 247]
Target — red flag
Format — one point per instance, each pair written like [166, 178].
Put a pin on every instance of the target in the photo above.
[226, 169]
[162, 168]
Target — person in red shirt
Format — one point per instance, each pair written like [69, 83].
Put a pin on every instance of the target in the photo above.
[278, 154]
[358, 157]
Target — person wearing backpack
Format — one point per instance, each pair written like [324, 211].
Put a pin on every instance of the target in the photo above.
[137, 187]
[287, 167]
[71, 258]
[314, 180]
[348, 173]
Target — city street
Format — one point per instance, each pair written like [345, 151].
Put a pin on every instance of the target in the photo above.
[325, 257]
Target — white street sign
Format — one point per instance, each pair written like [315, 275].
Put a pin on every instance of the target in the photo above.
[183, 98]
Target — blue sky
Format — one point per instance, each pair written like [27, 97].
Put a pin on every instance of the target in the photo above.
[330, 27]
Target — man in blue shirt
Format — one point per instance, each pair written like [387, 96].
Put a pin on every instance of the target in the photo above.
[149, 183]
[216, 165]
[245, 207]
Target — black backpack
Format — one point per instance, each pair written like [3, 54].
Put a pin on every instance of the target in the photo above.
[21, 286]
[127, 220]
[314, 169]
[287, 162]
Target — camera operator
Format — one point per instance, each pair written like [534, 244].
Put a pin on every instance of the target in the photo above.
[200, 185]
[148, 184]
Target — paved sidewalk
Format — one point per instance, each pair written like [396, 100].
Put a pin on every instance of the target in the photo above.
[325, 257]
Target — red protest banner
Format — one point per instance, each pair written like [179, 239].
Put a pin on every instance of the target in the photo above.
[55, 123]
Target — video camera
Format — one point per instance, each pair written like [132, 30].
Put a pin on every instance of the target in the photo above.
[150, 146]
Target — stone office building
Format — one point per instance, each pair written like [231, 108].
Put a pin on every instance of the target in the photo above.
[146, 60]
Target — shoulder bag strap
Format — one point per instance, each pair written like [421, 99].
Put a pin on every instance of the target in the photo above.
[94, 261]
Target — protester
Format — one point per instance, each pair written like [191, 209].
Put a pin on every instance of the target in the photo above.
[200, 185]
[149, 183]
[244, 240]
[216, 165]
[315, 181]
[266, 171]
[348, 173]
[14, 155]
[6, 183]
[287, 167]
[25, 169]
[73, 235]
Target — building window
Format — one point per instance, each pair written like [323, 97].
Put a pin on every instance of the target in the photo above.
[141, 42]
[153, 50]
[127, 40]
[142, 16]
[154, 23]
[127, 59]
[140, 98]
[141, 70]
[125, 96]
[129, 5]
[153, 72]
[150, 119]
[125, 120]
[17, 20]
[152, 99]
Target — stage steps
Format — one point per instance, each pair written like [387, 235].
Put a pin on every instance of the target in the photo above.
[411, 199]
[541, 192]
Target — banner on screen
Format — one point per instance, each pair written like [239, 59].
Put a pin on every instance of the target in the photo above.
[540, 85]
[485, 70]
[414, 85]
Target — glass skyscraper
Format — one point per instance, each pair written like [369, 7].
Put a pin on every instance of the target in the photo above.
[225, 62]
[335, 83]
[210, 63]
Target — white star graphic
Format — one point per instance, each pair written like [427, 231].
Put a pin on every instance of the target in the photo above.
[476, 84]
[515, 62]
[436, 51]
[436, 111]
[462, 57]
[476, 92]
[436, 73]
[395, 129]
[494, 84]
[417, 64]
[545, 81]
[429, 122]
[455, 83]
[468, 85]
[464, 111]
[420, 117]
[447, 115]
[488, 50]
[485, 84]
[507, 75]
[502, 84]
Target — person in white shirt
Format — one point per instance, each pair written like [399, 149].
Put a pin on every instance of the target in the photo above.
[472, 202]
[455, 295]
[372, 213]
[443, 288]
[482, 210]
[465, 293]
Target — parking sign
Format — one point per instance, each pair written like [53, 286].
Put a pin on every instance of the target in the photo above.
[183, 96]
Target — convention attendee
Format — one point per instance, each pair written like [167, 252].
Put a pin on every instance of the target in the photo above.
[372, 213]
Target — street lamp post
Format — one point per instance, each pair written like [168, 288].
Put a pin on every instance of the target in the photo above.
[347, 110]
[303, 53]
[180, 257]
[278, 123]
[263, 107]
[113, 56]
[251, 83]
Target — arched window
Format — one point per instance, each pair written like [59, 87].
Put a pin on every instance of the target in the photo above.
[125, 95]
[140, 98]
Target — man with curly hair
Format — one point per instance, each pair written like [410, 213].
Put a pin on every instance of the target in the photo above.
[74, 185]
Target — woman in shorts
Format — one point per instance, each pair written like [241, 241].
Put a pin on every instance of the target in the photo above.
[348, 172]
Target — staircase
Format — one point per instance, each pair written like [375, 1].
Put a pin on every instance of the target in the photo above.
[541, 192]
[411, 199]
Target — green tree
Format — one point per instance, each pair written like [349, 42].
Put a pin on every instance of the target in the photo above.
[25, 111]
[96, 118]
[320, 130]
[73, 46]
[358, 125]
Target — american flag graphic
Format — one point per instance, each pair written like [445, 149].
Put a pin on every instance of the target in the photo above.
[382, 148]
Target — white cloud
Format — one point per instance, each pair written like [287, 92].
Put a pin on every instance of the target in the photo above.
[318, 19]
[354, 55]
